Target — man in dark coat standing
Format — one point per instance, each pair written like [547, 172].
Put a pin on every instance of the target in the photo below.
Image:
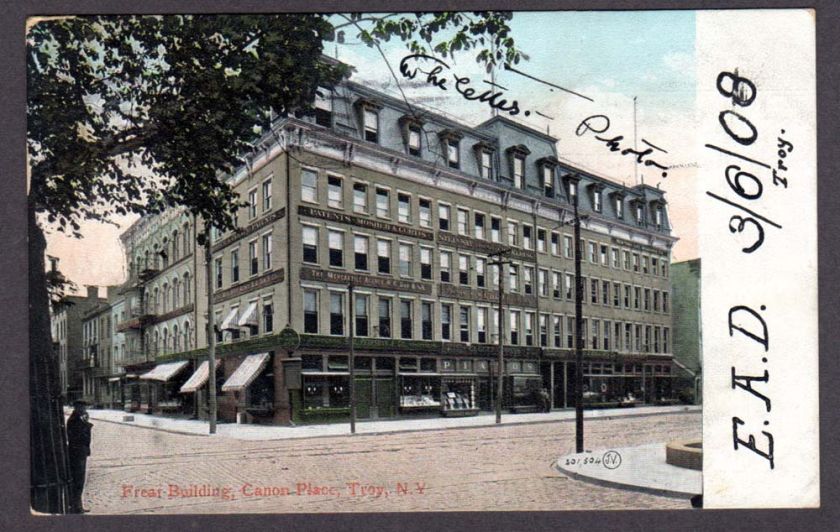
[78, 440]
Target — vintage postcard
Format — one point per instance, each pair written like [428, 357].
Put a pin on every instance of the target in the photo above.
[407, 262]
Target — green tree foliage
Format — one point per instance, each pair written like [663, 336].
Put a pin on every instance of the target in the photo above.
[131, 114]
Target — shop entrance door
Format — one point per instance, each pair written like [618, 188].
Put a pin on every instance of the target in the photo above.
[384, 390]
[364, 394]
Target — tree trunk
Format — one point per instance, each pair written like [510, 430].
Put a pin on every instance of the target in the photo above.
[49, 472]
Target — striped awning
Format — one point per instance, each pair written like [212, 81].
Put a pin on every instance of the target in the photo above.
[164, 372]
[246, 372]
[198, 379]
[230, 320]
[249, 317]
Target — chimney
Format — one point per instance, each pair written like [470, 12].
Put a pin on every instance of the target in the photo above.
[92, 291]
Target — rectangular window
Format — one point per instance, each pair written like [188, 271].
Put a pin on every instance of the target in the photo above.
[513, 277]
[335, 192]
[383, 256]
[360, 249]
[665, 302]
[384, 317]
[555, 244]
[360, 198]
[404, 208]
[570, 333]
[486, 165]
[425, 212]
[626, 296]
[597, 201]
[453, 153]
[478, 226]
[495, 229]
[543, 330]
[647, 300]
[383, 203]
[541, 240]
[656, 334]
[361, 315]
[266, 192]
[218, 273]
[616, 295]
[406, 251]
[253, 256]
[619, 207]
[616, 262]
[234, 266]
[635, 262]
[557, 325]
[444, 212]
[628, 337]
[519, 172]
[310, 311]
[323, 107]
[644, 264]
[481, 325]
[638, 336]
[463, 222]
[426, 320]
[463, 269]
[336, 313]
[605, 292]
[604, 258]
[371, 119]
[445, 266]
[572, 192]
[445, 322]
[514, 327]
[405, 318]
[658, 217]
[596, 333]
[594, 291]
[252, 204]
[665, 335]
[548, 181]
[526, 237]
[529, 328]
[593, 252]
[309, 185]
[542, 282]
[654, 266]
[656, 301]
[556, 285]
[414, 141]
[310, 244]
[637, 297]
[567, 247]
[266, 244]
[480, 269]
[627, 264]
[464, 324]
[425, 263]
[268, 317]
[336, 247]
[570, 281]
[513, 233]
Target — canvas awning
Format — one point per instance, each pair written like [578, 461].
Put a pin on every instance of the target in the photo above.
[164, 372]
[249, 317]
[114, 379]
[230, 320]
[198, 379]
[246, 373]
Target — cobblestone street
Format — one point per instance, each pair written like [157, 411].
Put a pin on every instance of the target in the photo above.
[139, 470]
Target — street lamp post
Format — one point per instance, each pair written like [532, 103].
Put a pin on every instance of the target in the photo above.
[352, 362]
[211, 328]
[578, 336]
[500, 332]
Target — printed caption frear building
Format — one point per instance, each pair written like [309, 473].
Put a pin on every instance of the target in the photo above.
[406, 205]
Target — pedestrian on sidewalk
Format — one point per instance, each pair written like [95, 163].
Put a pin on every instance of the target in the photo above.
[78, 442]
[545, 399]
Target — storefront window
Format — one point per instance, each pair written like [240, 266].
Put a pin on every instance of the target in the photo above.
[428, 365]
[408, 364]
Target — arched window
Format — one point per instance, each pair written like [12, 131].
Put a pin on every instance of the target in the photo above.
[146, 263]
[175, 253]
[187, 287]
[187, 336]
[186, 235]
[176, 293]
[176, 340]
[166, 297]
[156, 307]
[156, 343]
[165, 340]
[164, 253]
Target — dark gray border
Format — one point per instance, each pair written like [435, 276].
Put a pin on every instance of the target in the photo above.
[14, 420]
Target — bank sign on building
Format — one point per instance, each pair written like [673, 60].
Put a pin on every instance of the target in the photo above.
[406, 206]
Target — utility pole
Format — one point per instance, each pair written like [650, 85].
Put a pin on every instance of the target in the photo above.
[211, 327]
[500, 332]
[578, 336]
[352, 362]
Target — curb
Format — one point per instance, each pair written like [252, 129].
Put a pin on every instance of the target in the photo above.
[629, 487]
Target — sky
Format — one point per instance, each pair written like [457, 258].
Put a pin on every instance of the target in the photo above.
[608, 57]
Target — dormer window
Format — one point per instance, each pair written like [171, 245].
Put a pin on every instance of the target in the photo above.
[547, 166]
[414, 140]
[484, 156]
[639, 211]
[371, 124]
[323, 107]
[597, 203]
[450, 142]
[516, 157]
[658, 214]
[453, 153]
[571, 183]
[619, 207]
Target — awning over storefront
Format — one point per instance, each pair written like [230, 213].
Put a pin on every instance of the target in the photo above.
[198, 379]
[249, 317]
[246, 373]
[230, 320]
[114, 379]
[164, 372]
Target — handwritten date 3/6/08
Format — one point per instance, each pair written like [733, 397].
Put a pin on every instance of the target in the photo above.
[745, 179]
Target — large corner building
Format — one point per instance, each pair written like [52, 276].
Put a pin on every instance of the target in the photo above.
[405, 205]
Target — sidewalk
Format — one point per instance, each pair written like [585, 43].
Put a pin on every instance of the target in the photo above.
[274, 432]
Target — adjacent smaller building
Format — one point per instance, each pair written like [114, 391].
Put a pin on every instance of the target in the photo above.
[688, 334]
